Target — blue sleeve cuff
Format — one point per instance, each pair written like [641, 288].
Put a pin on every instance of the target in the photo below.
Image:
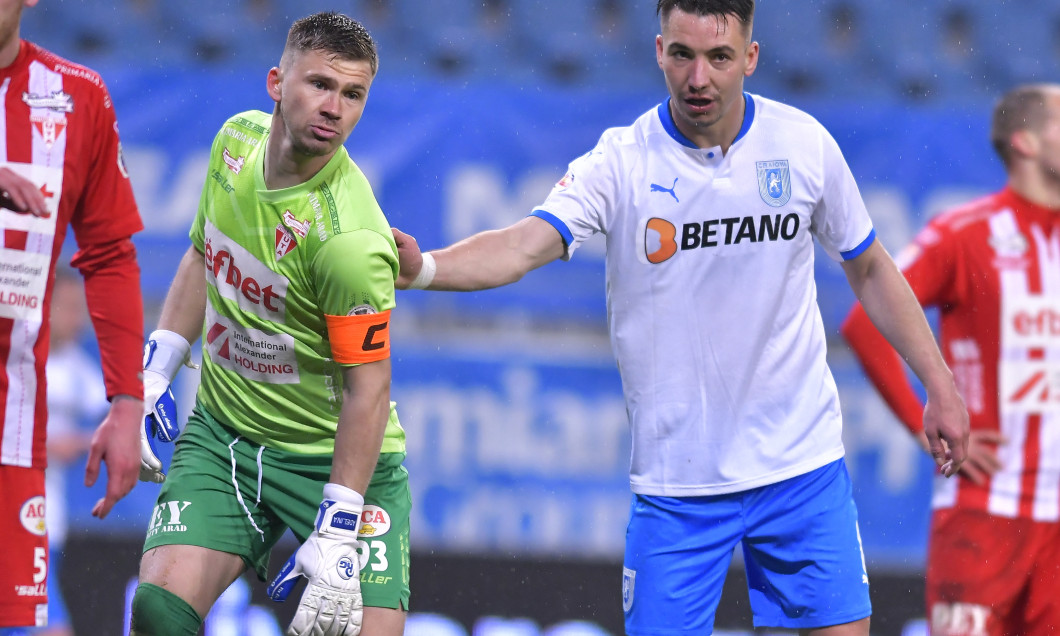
[861, 247]
[554, 221]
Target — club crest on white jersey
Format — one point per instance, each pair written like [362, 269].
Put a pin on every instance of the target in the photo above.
[774, 182]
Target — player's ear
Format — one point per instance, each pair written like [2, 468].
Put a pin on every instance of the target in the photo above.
[272, 83]
[752, 59]
[29, 3]
[1025, 142]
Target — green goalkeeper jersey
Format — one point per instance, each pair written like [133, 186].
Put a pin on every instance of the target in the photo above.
[278, 262]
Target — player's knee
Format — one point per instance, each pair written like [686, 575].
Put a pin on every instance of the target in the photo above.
[159, 612]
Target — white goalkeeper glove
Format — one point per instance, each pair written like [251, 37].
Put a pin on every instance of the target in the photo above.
[331, 604]
[164, 354]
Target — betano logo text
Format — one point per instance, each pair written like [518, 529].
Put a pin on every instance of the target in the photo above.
[715, 232]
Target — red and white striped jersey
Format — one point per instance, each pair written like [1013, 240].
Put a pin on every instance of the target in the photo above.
[993, 269]
[57, 129]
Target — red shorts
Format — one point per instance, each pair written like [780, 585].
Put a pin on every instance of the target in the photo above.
[24, 553]
[992, 576]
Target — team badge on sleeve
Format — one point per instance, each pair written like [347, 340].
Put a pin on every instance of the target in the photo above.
[774, 182]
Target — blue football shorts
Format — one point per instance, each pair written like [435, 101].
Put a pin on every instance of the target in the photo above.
[801, 547]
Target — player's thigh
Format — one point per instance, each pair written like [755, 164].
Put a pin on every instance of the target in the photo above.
[383, 621]
[856, 628]
[678, 551]
[1040, 613]
[24, 555]
[211, 497]
[197, 575]
[384, 536]
[803, 554]
[978, 570]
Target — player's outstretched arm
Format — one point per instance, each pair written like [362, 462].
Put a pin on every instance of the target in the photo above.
[488, 259]
[894, 310]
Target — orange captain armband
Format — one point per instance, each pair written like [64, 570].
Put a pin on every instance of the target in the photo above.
[360, 338]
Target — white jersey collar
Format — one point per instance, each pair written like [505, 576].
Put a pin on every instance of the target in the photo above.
[667, 121]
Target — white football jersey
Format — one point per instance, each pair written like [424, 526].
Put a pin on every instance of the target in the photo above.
[711, 300]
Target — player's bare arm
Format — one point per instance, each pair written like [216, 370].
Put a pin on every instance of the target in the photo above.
[114, 440]
[362, 422]
[486, 260]
[168, 348]
[894, 310]
[332, 599]
[184, 309]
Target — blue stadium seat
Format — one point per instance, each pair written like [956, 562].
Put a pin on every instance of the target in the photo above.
[557, 38]
[1020, 42]
[896, 49]
[109, 33]
[791, 36]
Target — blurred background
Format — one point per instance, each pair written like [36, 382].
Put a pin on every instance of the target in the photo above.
[518, 446]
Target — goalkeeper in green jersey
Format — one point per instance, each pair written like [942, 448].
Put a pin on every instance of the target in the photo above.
[290, 283]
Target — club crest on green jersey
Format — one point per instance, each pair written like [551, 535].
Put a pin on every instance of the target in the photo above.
[284, 241]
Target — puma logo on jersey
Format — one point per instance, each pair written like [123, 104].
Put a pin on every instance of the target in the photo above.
[658, 188]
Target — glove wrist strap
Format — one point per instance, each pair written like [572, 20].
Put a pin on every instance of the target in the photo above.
[165, 352]
[340, 512]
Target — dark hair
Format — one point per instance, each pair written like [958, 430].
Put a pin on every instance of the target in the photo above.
[744, 10]
[1022, 108]
[333, 33]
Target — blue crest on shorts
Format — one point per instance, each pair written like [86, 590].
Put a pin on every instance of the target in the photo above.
[774, 182]
[629, 577]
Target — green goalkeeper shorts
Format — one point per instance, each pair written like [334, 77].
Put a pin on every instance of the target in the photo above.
[229, 494]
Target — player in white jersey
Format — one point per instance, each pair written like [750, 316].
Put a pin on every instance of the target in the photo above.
[708, 203]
